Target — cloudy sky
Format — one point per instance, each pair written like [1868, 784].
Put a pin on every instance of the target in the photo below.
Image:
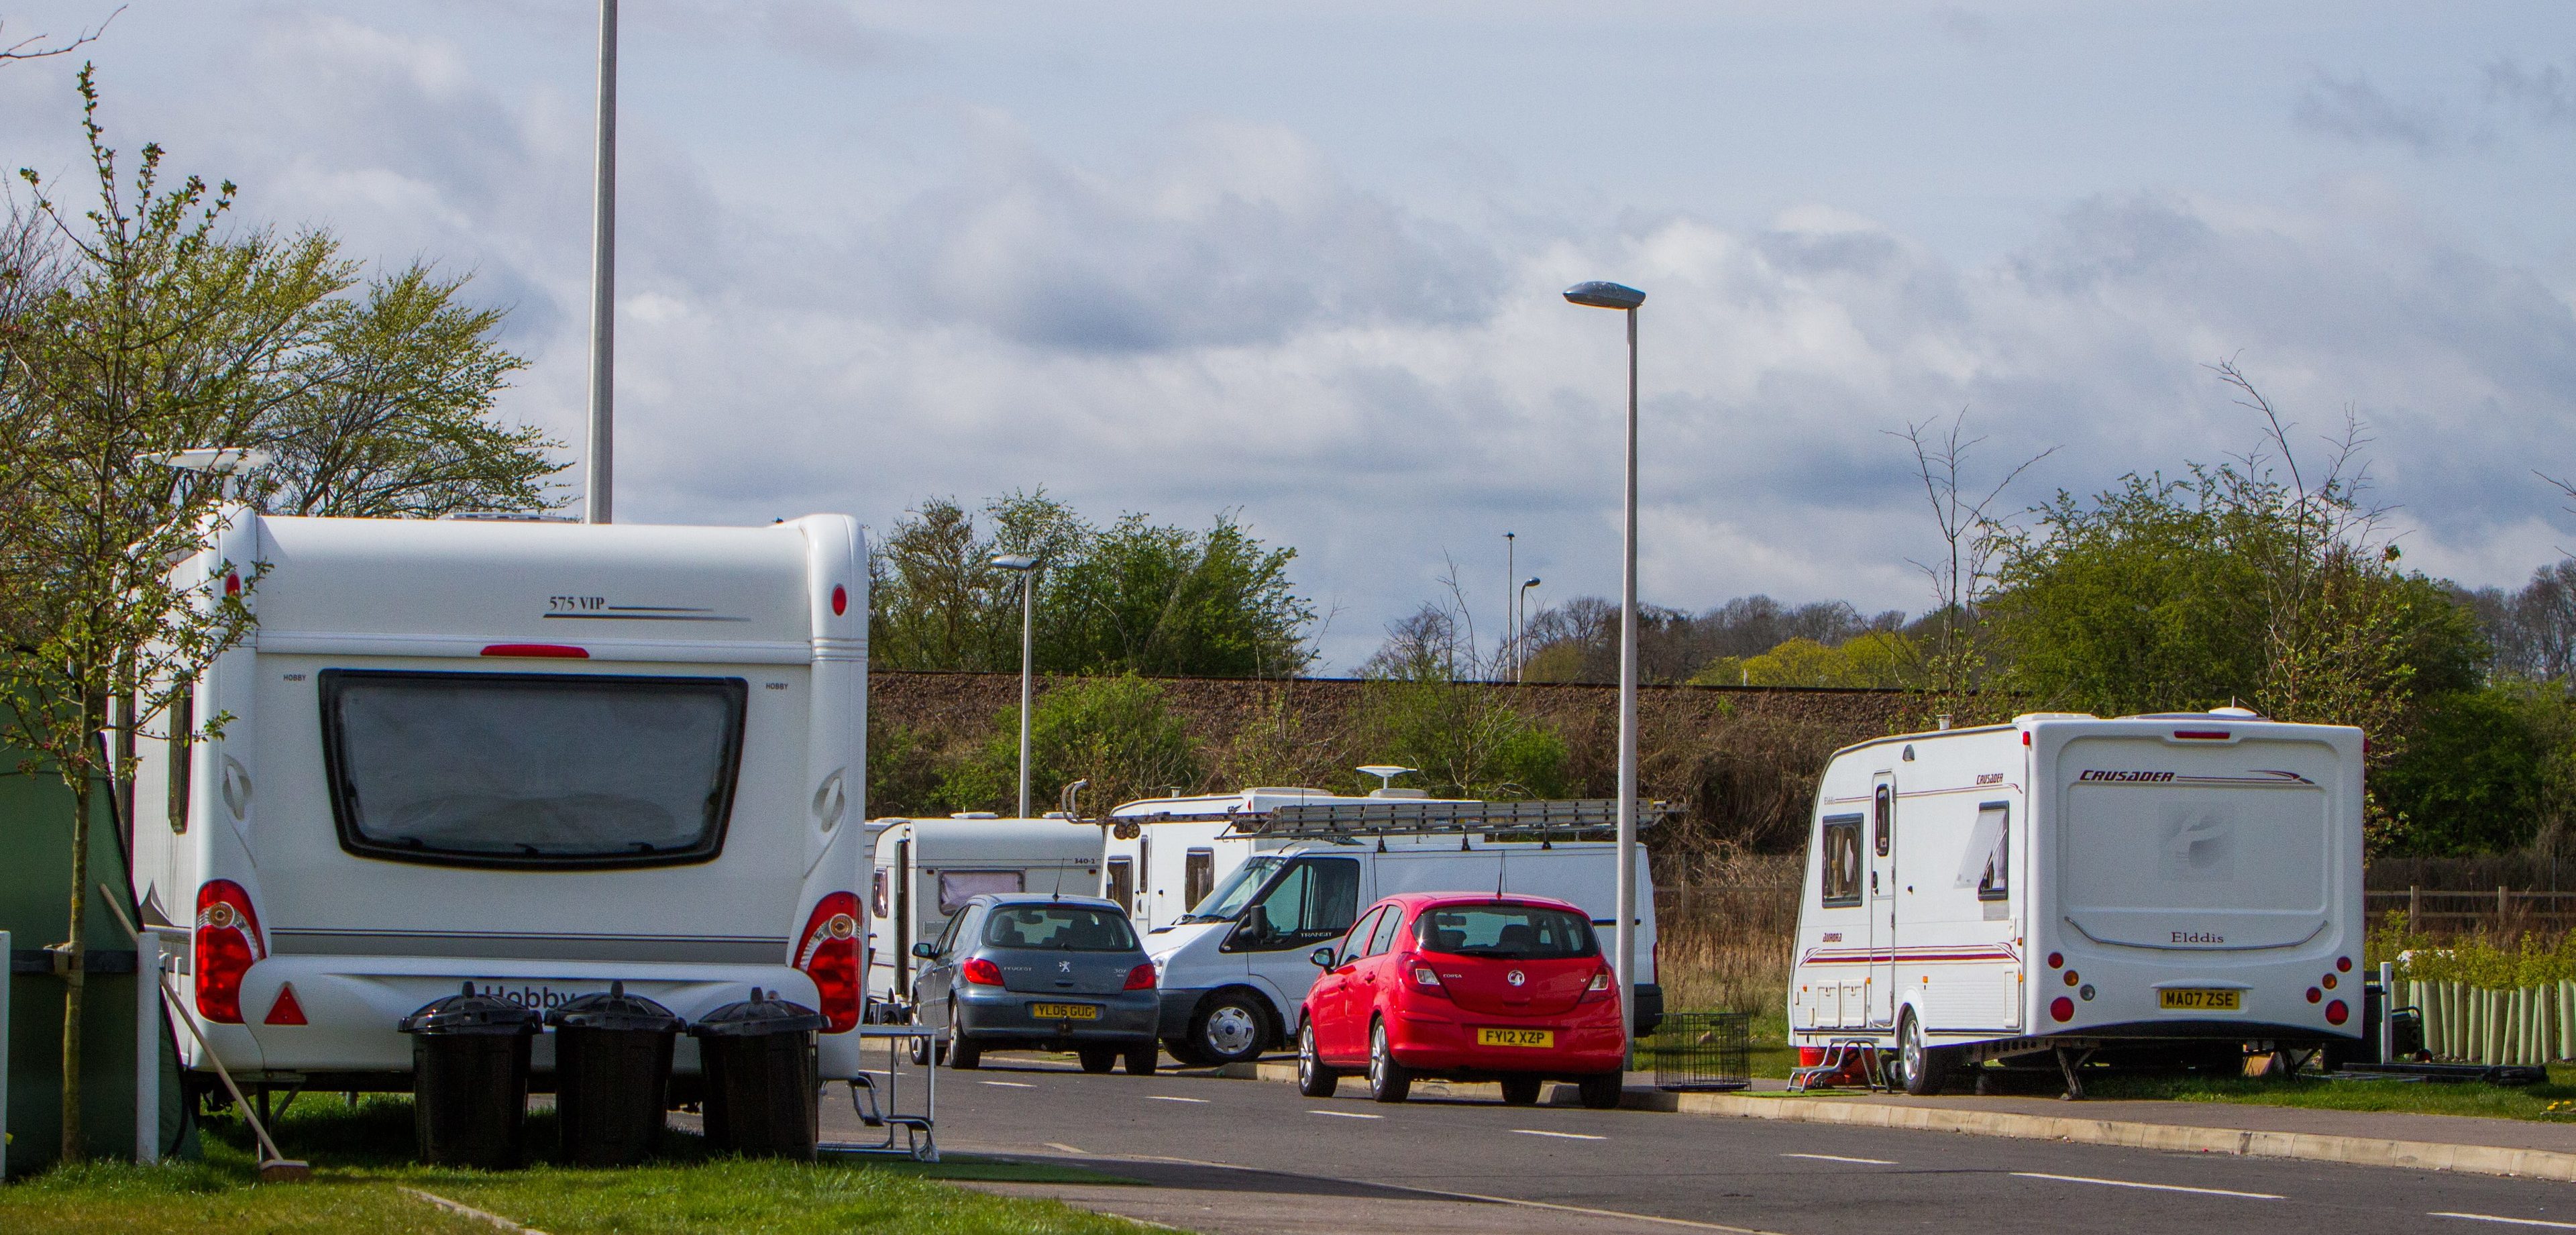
[1302, 261]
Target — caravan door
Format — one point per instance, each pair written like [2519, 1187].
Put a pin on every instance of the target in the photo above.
[1882, 899]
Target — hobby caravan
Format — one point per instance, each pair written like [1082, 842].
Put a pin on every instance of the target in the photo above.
[532, 757]
[927, 869]
[2170, 885]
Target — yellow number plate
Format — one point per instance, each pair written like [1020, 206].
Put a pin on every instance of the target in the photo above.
[2199, 999]
[1064, 1011]
[1515, 1037]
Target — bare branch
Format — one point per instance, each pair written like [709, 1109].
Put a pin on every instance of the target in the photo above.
[27, 49]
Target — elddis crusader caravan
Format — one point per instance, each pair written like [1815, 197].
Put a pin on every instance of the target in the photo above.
[536, 757]
[2185, 884]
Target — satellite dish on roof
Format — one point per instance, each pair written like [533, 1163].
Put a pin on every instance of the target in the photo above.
[1385, 773]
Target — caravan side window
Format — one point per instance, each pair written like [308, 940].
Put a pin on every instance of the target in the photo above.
[1841, 841]
[1121, 885]
[1884, 808]
[877, 894]
[1198, 876]
[958, 887]
[1988, 862]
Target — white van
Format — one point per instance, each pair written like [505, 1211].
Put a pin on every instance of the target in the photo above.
[1163, 855]
[536, 757]
[1234, 969]
[926, 869]
[2182, 883]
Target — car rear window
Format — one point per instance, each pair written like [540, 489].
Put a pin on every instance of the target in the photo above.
[1511, 932]
[1062, 928]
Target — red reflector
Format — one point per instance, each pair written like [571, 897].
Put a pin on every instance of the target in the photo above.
[2056, 959]
[2336, 1013]
[2343, 964]
[286, 1011]
[2062, 1008]
[550, 651]
[840, 600]
[2202, 735]
[2314, 994]
[2025, 737]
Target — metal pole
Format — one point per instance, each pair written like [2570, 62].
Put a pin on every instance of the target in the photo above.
[147, 1047]
[1511, 579]
[1625, 937]
[599, 487]
[1028, 628]
[5, 980]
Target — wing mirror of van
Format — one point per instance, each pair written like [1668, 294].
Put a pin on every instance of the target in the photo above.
[926, 951]
[1323, 957]
[1256, 925]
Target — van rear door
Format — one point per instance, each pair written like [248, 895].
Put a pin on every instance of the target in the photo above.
[2173, 838]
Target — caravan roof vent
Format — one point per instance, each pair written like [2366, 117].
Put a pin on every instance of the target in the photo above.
[2236, 713]
[2027, 717]
[973, 814]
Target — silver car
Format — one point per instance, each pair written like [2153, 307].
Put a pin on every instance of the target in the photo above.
[1058, 973]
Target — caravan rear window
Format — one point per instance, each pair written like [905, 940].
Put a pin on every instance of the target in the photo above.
[531, 769]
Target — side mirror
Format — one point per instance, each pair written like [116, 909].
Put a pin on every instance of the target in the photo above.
[926, 951]
[1256, 924]
[1323, 957]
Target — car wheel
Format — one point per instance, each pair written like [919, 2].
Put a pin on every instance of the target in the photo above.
[1228, 1029]
[920, 1051]
[1521, 1090]
[1098, 1058]
[1922, 1069]
[1388, 1081]
[1601, 1092]
[1143, 1058]
[1313, 1079]
[964, 1054]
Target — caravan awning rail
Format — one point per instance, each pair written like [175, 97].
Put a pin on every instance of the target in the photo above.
[1561, 819]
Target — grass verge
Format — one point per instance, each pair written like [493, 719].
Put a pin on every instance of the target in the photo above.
[2551, 1102]
[360, 1158]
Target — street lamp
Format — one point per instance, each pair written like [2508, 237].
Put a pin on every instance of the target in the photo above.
[1602, 295]
[1028, 570]
[1520, 624]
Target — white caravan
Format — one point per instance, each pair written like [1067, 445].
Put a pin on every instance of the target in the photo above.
[1234, 969]
[535, 757]
[2181, 884]
[927, 868]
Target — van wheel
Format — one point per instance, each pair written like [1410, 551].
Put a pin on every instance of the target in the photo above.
[1602, 1091]
[1097, 1058]
[1144, 1058]
[1229, 1029]
[1388, 1081]
[1314, 1080]
[1521, 1090]
[1923, 1069]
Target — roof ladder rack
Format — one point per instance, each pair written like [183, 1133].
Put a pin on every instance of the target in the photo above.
[1401, 817]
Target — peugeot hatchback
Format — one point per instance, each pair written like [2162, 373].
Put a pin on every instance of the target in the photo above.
[1061, 973]
[1464, 987]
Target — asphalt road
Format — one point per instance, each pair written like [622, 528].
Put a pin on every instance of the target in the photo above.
[1760, 1174]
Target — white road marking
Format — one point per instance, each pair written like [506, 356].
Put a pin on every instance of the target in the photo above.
[2558, 1226]
[1061, 1145]
[1158, 1097]
[1007, 1084]
[2129, 1183]
[1571, 1136]
[1840, 1158]
[1346, 1115]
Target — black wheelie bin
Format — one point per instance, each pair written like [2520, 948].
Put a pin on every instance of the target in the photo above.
[469, 1070]
[612, 1070]
[758, 1056]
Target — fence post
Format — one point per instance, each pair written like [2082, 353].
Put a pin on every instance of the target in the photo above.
[2414, 908]
[5, 967]
[2500, 906]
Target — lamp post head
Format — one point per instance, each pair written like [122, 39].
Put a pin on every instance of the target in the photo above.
[1014, 561]
[1600, 294]
[1531, 584]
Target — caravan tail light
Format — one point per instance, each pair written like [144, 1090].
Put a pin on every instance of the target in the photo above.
[830, 956]
[980, 972]
[2202, 735]
[1141, 978]
[2062, 1008]
[2337, 1013]
[228, 944]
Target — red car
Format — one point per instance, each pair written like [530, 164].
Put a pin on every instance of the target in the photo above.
[1464, 986]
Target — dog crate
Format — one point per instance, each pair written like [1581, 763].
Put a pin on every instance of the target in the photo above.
[1700, 1051]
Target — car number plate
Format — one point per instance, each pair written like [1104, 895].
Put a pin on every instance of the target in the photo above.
[1064, 1011]
[1515, 1037]
[2200, 999]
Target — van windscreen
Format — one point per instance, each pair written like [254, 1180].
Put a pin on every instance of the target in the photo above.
[1508, 932]
[529, 769]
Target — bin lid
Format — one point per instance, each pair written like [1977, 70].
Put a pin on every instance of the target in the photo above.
[617, 1010]
[758, 1016]
[468, 1012]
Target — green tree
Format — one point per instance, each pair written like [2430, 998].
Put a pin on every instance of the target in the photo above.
[2473, 775]
[1879, 658]
[1119, 733]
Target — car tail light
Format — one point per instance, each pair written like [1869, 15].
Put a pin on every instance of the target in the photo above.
[830, 956]
[1427, 981]
[2337, 1013]
[1598, 987]
[2062, 1008]
[228, 944]
[1141, 978]
[980, 972]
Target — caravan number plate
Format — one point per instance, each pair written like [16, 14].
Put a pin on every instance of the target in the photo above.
[1515, 1037]
[1064, 1011]
[2200, 999]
